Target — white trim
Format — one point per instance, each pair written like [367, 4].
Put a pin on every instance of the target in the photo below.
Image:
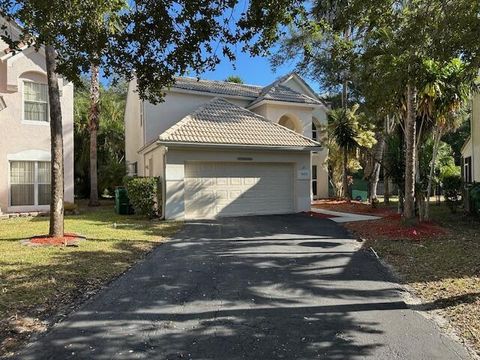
[26, 208]
[240, 146]
[286, 103]
[30, 155]
[34, 122]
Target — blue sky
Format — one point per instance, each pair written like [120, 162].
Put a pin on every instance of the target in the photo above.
[252, 70]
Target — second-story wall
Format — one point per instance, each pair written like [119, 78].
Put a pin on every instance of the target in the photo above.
[30, 140]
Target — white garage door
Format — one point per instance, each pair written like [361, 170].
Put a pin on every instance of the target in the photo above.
[235, 189]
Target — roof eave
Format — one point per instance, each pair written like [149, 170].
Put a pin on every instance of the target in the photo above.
[238, 146]
[288, 103]
[174, 89]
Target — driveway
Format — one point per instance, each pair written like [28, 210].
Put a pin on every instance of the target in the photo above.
[266, 287]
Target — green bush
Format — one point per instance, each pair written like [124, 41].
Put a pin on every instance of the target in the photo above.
[143, 194]
[475, 198]
[452, 186]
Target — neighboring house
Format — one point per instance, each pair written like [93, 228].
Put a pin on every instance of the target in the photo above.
[227, 149]
[25, 135]
[471, 148]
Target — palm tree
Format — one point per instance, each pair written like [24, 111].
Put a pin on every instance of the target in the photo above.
[93, 125]
[441, 99]
[344, 131]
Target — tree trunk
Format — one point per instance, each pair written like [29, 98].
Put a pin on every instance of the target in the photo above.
[386, 190]
[410, 157]
[346, 193]
[56, 134]
[377, 158]
[436, 145]
[93, 124]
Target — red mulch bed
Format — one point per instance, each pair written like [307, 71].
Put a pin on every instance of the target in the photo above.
[44, 240]
[355, 207]
[318, 215]
[392, 228]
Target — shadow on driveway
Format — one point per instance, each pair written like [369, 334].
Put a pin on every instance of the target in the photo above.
[266, 287]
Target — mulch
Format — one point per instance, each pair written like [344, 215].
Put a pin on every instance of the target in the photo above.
[392, 227]
[389, 227]
[68, 239]
[355, 207]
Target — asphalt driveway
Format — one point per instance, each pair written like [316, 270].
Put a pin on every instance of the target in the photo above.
[270, 287]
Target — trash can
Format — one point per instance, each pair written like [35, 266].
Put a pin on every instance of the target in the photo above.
[122, 203]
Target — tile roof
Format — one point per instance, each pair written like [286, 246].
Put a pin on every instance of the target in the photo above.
[217, 87]
[274, 92]
[278, 92]
[221, 122]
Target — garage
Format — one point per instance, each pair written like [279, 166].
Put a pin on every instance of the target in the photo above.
[216, 189]
[223, 160]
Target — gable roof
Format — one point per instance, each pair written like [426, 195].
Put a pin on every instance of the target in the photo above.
[276, 91]
[220, 122]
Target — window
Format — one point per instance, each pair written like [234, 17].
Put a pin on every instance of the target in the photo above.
[314, 132]
[29, 183]
[35, 96]
[2, 104]
[467, 167]
[314, 180]
[132, 169]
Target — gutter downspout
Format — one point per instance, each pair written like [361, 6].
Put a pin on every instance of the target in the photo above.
[164, 183]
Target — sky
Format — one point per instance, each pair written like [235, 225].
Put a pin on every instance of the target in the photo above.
[252, 70]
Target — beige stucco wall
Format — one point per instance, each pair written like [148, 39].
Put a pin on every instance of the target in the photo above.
[176, 106]
[175, 173]
[475, 138]
[18, 137]
[134, 126]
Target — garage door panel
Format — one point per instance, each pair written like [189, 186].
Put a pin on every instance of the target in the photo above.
[233, 189]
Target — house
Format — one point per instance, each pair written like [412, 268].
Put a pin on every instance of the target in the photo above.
[228, 149]
[471, 148]
[25, 135]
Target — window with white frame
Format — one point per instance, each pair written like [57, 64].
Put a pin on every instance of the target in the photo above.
[35, 101]
[29, 183]
[314, 132]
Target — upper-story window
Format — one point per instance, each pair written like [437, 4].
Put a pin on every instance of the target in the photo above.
[35, 97]
[314, 132]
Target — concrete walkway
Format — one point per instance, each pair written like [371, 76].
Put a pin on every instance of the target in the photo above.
[259, 288]
[341, 217]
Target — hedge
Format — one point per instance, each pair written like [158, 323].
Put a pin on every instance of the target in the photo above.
[144, 194]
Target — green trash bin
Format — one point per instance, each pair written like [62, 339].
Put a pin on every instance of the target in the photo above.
[122, 203]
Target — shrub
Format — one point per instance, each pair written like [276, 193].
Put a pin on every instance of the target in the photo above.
[475, 198]
[142, 192]
[452, 186]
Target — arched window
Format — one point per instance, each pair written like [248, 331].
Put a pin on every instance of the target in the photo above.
[290, 123]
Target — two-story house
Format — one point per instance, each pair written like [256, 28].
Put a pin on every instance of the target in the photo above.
[25, 131]
[228, 149]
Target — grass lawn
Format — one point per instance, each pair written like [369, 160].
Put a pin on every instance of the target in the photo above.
[443, 270]
[38, 282]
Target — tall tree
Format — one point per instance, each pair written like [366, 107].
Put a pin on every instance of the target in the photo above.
[158, 41]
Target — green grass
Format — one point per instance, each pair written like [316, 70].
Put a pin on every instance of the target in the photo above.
[443, 271]
[37, 281]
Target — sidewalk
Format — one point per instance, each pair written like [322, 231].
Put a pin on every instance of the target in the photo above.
[341, 217]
